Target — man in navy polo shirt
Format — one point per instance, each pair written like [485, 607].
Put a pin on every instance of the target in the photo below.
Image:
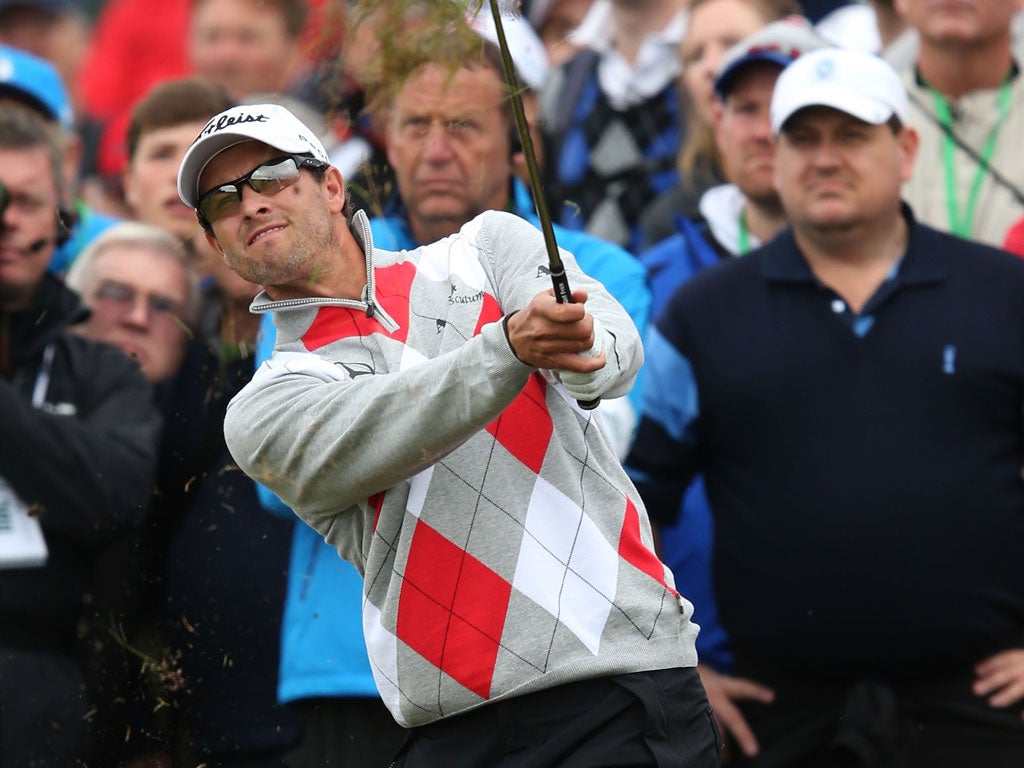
[853, 393]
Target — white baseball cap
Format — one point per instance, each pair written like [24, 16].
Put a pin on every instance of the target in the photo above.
[529, 56]
[855, 82]
[271, 124]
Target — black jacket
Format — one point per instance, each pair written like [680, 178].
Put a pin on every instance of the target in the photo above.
[84, 458]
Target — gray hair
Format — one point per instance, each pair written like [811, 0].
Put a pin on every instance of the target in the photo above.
[23, 128]
[140, 235]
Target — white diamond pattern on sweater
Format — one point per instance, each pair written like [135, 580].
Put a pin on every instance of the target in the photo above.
[566, 566]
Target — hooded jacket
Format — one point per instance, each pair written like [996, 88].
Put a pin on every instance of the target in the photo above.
[78, 432]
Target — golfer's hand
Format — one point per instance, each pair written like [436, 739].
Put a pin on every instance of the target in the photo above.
[1002, 676]
[723, 691]
[546, 334]
[592, 386]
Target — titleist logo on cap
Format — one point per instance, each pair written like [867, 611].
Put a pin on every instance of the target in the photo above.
[225, 121]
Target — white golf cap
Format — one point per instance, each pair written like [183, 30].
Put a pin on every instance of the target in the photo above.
[271, 124]
[855, 82]
[529, 56]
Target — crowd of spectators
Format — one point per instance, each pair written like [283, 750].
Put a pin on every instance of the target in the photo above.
[160, 608]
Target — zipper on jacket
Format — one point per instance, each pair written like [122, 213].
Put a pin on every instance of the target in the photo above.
[371, 306]
[5, 344]
[364, 237]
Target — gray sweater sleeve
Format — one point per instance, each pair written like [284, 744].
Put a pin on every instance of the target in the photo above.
[324, 442]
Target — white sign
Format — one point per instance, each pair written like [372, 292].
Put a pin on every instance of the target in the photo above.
[22, 544]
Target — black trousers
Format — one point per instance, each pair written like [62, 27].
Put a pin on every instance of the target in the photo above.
[356, 732]
[655, 719]
[939, 724]
[43, 711]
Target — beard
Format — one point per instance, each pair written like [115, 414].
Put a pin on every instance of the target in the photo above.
[305, 257]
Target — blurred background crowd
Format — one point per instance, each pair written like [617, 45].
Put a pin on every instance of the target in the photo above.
[179, 616]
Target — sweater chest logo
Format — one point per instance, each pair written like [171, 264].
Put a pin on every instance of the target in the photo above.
[455, 297]
[949, 359]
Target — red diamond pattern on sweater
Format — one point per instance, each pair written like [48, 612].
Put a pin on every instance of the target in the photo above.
[524, 427]
[452, 615]
[376, 503]
[490, 312]
[633, 550]
[392, 289]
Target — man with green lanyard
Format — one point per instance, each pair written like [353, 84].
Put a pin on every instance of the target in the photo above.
[967, 105]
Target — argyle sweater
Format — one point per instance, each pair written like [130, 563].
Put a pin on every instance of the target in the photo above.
[608, 166]
[502, 546]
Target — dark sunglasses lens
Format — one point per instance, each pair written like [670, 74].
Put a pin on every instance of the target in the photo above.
[266, 179]
[220, 202]
[273, 178]
[5, 198]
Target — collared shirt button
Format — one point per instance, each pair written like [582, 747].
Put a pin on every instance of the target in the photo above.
[838, 306]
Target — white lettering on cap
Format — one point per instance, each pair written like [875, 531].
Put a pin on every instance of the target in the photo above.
[226, 121]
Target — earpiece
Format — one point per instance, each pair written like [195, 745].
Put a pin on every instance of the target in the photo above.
[65, 221]
[515, 144]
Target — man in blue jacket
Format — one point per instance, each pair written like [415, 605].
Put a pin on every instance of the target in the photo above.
[452, 143]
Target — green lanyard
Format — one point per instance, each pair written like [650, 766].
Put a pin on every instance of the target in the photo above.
[744, 244]
[964, 226]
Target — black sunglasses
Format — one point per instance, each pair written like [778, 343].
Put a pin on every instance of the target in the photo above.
[268, 178]
[5, 198]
